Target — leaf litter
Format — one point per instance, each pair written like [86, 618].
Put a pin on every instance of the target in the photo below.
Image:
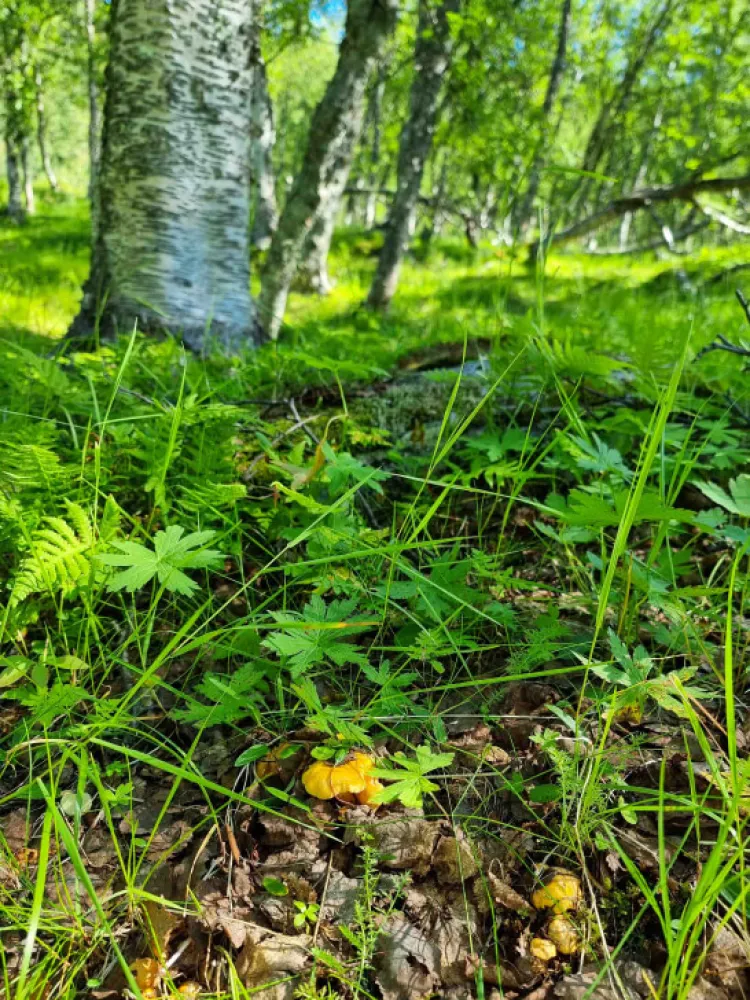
[426, 904]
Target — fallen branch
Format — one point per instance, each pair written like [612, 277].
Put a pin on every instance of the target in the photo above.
[653, 244]
[644, 198]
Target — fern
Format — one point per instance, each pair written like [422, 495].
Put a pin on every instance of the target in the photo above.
[30, 466]
[61, 552]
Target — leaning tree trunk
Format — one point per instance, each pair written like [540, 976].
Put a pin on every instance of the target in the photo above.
[94, 124]
[333, 134]
[523, 217]
[41, 132]
[262, 141]
[14, 210]
[172, 249]
[432, 55]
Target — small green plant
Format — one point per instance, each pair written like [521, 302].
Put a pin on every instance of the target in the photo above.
[172, 553]
[307, 913]
[633, 676]
[408, 780]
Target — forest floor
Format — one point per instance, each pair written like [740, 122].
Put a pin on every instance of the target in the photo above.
[497, 606]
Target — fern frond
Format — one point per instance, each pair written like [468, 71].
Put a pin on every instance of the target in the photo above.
[30, 466]
[60, 556]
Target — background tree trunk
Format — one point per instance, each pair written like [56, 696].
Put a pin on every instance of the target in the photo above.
[313, 275]
[524, 216]
[41, 131]
[94, 123]
[28, 177]
[172, 247]
[374, 115]
[641, 176]
[612, 110]
[15, 210]
[431, 60]
[262, 141]
[333, 133]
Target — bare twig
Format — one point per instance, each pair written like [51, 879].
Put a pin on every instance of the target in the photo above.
[716, 278]
[722, 343]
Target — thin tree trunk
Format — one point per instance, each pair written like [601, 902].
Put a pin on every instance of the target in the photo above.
[41, 131]
[375, 114]
[28, 177]
[262, 141]
[612, 110]
[524, 215]
[94, 123]
[173, 243]
[432, 55]
[14, 210]
[313, 272]
[642, 175]
[334, 130]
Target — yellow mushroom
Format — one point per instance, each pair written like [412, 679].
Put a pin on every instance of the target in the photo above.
[349, 781]
[317, 780]
[560, 894]
[563, 935]
[368, 793]
[542, 949]
[190, 989]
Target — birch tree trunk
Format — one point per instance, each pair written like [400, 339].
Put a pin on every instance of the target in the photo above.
[94, 123]
[612, 110]
[41, 131]
[172, 248]
[314, 256]
[374, 116]
[432, 54]
[641, 176]
[524, 216]
[334, 130]
[262, 141]
[28, 177]
[14, 210]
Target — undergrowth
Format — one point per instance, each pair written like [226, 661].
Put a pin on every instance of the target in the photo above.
[206, 560]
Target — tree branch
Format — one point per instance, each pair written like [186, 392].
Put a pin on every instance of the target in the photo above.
[721, 218]
[721, 343]
[636, 200]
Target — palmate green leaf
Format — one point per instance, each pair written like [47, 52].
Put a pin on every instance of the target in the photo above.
[592, 510]
[173, 552]
[408, 781]
[317, 635]
[738, 502]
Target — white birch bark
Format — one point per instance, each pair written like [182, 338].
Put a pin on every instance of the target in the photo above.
[432, 54]
[94, 122]
[374, 114]
[28, 178]
[262, 141]
[41, 131]
[314, 257]
[335, 128]
[172, 250]
[14, 207]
